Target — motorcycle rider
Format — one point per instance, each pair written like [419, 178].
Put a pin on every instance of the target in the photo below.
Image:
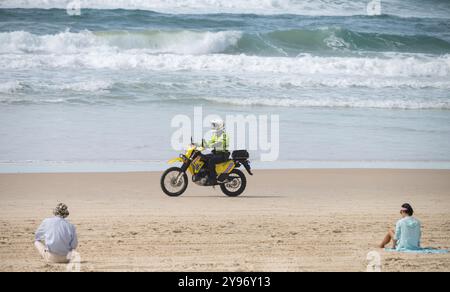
[219, 145]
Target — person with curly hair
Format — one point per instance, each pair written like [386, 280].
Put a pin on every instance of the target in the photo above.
[56, 237]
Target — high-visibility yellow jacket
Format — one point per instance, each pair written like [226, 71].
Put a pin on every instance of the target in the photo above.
[219, 143]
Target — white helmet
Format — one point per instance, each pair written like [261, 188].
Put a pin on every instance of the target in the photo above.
[217, 125]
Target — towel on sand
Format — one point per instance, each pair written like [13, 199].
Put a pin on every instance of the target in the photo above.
[426, 250]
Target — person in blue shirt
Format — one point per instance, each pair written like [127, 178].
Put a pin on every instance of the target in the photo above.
[407, 233]
[56, 237]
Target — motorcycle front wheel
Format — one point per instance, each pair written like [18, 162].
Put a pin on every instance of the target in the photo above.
[174, 182]
[235, 185]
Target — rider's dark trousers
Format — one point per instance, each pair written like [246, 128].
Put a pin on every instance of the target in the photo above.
[213, 159]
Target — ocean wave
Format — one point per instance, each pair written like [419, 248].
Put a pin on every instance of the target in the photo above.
[281, 84]
[304, 7]
[80, 86]
[299, 82]
[412, 103]
[139, 88]
[388, 103]
[295, 41]
[415, 8]
[180, 42]
[275, 43]
[11, 87]
[394, 65]
[302, 82]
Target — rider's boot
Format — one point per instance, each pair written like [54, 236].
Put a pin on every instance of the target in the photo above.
[212, 180]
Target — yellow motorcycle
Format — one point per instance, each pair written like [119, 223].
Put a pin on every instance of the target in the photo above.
[231, 180]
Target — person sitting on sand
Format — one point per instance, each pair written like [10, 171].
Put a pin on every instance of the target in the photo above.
[59, 235]
[407, 231]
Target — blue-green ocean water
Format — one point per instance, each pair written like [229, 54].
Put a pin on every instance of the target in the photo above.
[104, 86]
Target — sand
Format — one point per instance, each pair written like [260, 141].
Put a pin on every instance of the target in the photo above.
[287, 220]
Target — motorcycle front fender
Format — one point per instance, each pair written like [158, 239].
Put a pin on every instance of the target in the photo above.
[178, 159]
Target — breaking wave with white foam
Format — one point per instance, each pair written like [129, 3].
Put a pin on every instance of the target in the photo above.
[310, 7]
[181, 42]
[202, 54]
[287, 43]
[413, 8]
[398, 65]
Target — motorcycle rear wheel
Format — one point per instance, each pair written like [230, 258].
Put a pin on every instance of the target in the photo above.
[236, 185]
[170, 186]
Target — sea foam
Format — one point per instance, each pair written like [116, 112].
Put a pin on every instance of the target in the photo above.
[179, 42]
[300, 7]
[311, 7]
[397, 65]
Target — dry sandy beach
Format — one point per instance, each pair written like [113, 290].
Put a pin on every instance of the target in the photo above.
[287, 220]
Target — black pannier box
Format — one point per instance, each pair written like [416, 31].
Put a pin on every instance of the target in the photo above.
[240, 154]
